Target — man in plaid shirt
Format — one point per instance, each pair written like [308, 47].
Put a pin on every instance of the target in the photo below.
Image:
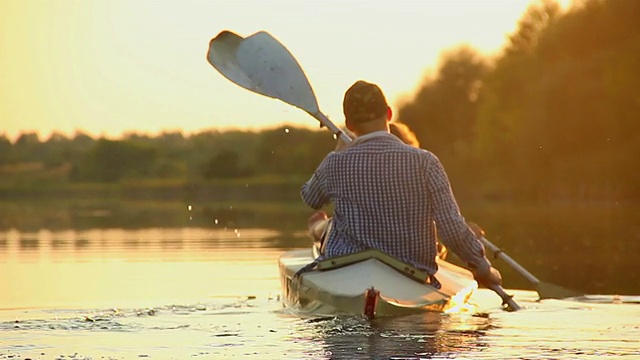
[390, 196]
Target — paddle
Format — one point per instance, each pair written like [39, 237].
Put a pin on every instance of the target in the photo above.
[545, 290]
[261, 64]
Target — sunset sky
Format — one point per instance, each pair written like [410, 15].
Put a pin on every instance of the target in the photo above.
[108, 67]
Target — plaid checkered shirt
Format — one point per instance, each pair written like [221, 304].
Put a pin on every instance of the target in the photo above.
[390, 196]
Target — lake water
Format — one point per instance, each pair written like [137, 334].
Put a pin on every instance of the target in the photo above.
[213, 292]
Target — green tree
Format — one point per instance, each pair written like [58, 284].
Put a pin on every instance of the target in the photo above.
[511, 136]
[28, 148]
[6, 150]
[58, 150]
[292, 151]
[559, 112]
[443, 113]
[224, 164]
[110, 161]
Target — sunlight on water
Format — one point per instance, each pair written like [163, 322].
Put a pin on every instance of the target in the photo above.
[459, 303]
[103, 265]
[214, 293]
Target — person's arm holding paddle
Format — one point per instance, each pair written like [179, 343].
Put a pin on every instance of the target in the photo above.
[453, 230]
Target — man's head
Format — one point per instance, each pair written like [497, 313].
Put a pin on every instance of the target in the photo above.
[365, 108]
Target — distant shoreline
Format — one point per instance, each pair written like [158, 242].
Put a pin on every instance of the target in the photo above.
[283, 189]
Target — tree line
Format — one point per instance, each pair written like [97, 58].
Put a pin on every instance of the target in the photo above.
[555, 115]
[207, 155]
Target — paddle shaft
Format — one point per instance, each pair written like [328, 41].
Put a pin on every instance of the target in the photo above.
[506, 299]
[506, 258]
[337, 132]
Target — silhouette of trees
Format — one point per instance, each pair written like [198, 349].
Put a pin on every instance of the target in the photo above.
[556, 115]
[206, 155]
[5, 150]
[224, 164]
[110, 161]
[291, 151]
[443, 113]
[558, 112]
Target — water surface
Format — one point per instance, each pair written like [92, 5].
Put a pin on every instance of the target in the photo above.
[198, 292]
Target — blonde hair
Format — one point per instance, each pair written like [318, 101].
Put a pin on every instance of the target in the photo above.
[403, 132]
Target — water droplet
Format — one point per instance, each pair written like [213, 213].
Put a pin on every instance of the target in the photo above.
[286, 130]
[215, 221]
[189, 207]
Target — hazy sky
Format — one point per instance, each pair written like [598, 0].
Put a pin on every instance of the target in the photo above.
[111, 66]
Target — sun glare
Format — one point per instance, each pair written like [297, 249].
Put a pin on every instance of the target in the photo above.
[108, 67]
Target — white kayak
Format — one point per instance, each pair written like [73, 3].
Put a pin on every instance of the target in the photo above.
[369, 283]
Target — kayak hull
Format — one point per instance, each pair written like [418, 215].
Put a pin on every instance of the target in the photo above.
[369, 283]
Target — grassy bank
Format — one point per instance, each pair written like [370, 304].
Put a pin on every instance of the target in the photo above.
[243, 189]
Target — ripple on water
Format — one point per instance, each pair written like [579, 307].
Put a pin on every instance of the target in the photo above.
[115, 319]
[550, 329]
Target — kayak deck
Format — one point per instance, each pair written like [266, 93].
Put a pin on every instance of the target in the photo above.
[340, 285]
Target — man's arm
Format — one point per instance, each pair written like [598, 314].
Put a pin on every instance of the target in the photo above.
[313, 192]
[451, 226]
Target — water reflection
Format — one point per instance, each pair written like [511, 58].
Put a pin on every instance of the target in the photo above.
[29, 242]
[171, 244]
[260, 329]
[156, 239]
[591, 248]
[88, 214]
[106, 266]
[426, 335]
[58, 243]
[172, 293]
[82, 244]
[587, 247]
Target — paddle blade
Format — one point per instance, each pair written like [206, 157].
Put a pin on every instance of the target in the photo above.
[261, 64]
[551, 291]
[222, 56]
[274, 72]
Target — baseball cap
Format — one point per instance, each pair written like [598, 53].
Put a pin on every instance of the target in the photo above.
[364, 101]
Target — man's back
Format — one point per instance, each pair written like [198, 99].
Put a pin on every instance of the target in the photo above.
[380, 189]
[388, 195]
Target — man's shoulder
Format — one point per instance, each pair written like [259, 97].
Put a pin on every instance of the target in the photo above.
[418, 151]
[386, 144]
